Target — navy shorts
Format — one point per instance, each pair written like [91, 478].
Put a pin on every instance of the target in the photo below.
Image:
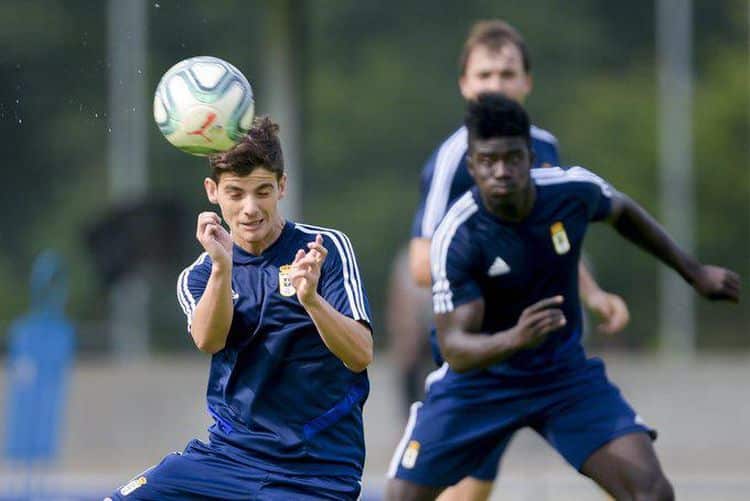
[202, 473]
[467, 421]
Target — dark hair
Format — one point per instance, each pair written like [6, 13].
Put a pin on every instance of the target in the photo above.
[493, 34]
[259, 148]
[494, 115]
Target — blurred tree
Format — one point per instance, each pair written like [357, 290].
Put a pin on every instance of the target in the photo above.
[380, 93]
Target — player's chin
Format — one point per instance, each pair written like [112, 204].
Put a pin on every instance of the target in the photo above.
[253, 233]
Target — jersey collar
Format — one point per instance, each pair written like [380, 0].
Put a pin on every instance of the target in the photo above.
[241, 256]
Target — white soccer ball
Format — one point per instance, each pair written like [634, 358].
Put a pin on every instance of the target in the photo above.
[204, 105]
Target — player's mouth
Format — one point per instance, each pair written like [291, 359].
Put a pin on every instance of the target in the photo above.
[252, 225]
[501, 188]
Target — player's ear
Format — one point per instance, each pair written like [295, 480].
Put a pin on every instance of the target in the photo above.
[211, 190]
[463, 86]
[282, 186]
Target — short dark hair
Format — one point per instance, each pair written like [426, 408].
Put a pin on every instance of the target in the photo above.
[494, 115]
[261, 147]
[494, 34]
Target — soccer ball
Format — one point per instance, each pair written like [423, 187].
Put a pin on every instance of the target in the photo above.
[204, 105]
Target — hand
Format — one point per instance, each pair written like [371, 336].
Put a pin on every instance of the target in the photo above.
[537, 321]
[717, 283]
[611, 309]
[305, 272]
[214, 238]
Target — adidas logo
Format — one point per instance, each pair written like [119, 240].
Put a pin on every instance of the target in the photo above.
[499, 267]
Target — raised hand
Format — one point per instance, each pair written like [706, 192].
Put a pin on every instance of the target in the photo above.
[305, 272]
[214, 238]
[537, 321]
[716, 283]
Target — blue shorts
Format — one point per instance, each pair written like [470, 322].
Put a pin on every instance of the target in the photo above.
[203, 473]
[467, 421]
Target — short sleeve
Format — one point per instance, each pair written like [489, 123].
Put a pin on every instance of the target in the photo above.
[597, 194]
[453, 260]
[341, 282]
[438, 184]
[546, 148]
[191, 284]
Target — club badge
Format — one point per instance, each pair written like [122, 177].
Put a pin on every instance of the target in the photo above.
[559, 238]
[285, 283]
[409, 458]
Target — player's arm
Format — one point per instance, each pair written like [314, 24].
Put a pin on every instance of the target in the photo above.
[349, 340]
[464, 349]
[213, 314]
[610, 308]
[419, 261]
[637, 225]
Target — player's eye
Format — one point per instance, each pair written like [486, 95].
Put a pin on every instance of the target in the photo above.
[514, 157]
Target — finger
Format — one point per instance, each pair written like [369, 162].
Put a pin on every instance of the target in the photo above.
[317, 247]
[298, 256]
[552, 316]
[543, 304]
[550, 324]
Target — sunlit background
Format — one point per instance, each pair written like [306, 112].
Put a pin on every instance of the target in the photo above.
[652, 96]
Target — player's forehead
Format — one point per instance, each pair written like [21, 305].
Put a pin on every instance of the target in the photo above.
[486, 58]
[257, 177]
[498, 145]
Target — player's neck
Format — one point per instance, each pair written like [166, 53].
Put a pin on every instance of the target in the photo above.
[514, 208]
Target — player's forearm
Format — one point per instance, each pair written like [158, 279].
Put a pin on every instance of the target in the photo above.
[465, 351]
[635, 224]
[213, 314]
[419, 261]
[348, 340]
[587, 285]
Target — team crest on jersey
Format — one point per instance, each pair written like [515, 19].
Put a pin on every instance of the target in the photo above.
[409, 458]
[133, 485]
[285, 283]
[559, 238]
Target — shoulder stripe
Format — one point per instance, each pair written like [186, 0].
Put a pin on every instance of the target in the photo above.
[350, 269]
[543, 135]
[184, 296]
[447, 162]
[577, 174]
[462, 210]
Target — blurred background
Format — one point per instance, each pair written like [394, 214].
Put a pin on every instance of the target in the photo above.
[654, 96]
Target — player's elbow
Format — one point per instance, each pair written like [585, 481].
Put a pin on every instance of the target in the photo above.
[456, 358]
[360, 363]
[362, 359]
[208, 345]
[458, 363]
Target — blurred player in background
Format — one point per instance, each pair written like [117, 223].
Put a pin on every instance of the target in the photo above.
[494, 58]
[408, 317]
[504, 262]
[281, 308]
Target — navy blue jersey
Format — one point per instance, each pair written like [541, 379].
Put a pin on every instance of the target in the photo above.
[445, 176]
[475, 255]
[279, 398]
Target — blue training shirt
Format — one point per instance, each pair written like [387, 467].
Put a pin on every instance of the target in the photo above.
[445, 176]
[474, 255]
[279, 398]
